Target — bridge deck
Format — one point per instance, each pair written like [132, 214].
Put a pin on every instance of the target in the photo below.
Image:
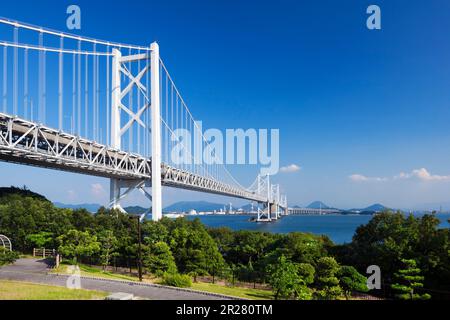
[25, 142]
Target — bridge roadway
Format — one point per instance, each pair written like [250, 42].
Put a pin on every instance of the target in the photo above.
[26, 142]
[307, 211]
[36, 271]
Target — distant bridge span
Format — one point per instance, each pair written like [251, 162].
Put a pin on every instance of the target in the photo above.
[312, 211]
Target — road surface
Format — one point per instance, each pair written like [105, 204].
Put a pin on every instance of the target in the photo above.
[36, 271]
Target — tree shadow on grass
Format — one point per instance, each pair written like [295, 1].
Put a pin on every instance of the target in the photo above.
[260, 295]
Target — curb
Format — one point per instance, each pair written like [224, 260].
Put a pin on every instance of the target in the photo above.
[153, 285]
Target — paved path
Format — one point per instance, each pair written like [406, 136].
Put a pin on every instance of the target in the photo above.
[32, 270]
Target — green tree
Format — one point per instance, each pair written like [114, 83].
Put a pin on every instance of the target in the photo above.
[351, 280]
[303, 247]
[82, 219]
[246, 246]
[77, 244]
[286, 281]
[159, 259]
[327, 282]
[193, 248]
[306, 272]
[41, 240]
[22, 215]
[389, 236]
[108, 247]
[155, 231]
[408, 279]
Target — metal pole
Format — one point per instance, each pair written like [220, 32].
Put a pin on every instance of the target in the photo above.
[156, 133]
[139, 249]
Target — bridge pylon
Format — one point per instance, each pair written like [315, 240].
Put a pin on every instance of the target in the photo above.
[117, 130]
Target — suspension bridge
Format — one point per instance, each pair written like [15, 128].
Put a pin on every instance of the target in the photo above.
[106, 109]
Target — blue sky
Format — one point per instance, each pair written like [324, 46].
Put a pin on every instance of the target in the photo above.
[364, 113]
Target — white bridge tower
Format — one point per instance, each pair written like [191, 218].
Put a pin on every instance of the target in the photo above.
[152, 100]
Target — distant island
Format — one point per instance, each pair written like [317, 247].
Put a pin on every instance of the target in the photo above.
[205, 207]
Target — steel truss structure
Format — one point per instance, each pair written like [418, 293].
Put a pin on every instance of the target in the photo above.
[26, 142]
[174, 177]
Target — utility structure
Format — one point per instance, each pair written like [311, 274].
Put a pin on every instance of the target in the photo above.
[117, 121]
[5, 242]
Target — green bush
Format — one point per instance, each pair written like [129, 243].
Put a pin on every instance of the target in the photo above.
[7, 257]
[176, 280]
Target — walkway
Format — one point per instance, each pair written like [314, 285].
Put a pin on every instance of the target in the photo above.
[36, 271]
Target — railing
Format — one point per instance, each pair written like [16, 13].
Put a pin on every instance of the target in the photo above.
[27, 142]
[43, 252]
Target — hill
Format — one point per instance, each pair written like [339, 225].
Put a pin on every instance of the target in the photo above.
[4, 191]
[135, 210]
[318, 205]
[91, 207]
[374, 208]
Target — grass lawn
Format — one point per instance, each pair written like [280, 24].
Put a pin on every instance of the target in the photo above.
[13, 290]
[234, 291]
[208, 287]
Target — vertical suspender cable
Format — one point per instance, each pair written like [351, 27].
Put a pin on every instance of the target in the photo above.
[25, 82]
[171, 113]
[97, 95]
[130, 106]
[40, 81]
[192, 167]
[39, 96]
[107, 98]
[187, 144]
[44, 86]
[138, 92]
[5, 79]
[94, 121]
[86, 97]
[74, 92]
[16, 73]
[79, 90]
[31, 110]
[176, 113]
[60, 86]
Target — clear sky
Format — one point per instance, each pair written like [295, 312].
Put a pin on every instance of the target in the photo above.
[364, 113]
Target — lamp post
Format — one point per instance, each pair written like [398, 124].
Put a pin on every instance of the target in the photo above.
[139, 249]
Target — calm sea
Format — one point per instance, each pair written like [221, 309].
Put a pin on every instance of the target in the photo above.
[340, 228]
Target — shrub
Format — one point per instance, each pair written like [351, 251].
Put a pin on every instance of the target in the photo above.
[7, 257]
[176, 280]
